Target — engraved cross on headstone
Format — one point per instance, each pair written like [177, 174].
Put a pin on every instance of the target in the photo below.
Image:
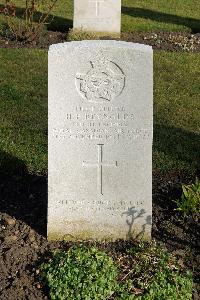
[97, 6]
[100, 164]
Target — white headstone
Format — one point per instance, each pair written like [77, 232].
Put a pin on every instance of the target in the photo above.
[100, 140]
[97, 15]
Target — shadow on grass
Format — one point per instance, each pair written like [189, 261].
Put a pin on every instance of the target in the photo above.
[193, 24]
[23, 195]
[55, 23]
[178, 144]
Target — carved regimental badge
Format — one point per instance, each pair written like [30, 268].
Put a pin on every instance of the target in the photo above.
[100, 81]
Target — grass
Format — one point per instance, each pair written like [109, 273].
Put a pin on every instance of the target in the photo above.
[176, 111]
[23, 106]
[154, 15]
[137, 15]
[23, 110]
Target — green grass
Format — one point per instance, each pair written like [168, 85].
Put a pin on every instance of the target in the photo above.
[153, 15]
[23, 110]
[176, 111]
[138, 15]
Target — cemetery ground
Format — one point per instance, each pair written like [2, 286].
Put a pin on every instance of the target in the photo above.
[23, 147]
[24, 166]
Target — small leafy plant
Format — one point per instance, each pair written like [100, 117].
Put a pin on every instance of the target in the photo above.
[80, 273]
[189, 202]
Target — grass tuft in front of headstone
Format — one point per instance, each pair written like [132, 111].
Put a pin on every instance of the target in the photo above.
[145, 272]
[80, 35]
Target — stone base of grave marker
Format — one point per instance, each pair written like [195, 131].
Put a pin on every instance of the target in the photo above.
[102, 17]
[100, 140]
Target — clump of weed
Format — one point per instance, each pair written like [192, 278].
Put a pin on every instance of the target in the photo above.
[189, 202]
[79, 35]
[80, 273]
[156, 275]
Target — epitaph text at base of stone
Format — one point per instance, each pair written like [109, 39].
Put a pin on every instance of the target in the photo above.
[100, 140]
[97, 16]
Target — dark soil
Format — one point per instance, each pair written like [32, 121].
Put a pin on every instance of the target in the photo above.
[169, 41]
[23, 221]
[42, 42]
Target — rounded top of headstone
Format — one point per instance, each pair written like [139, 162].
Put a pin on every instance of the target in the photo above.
[100, 44]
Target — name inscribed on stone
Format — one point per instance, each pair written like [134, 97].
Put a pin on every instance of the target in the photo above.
[100, 123]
